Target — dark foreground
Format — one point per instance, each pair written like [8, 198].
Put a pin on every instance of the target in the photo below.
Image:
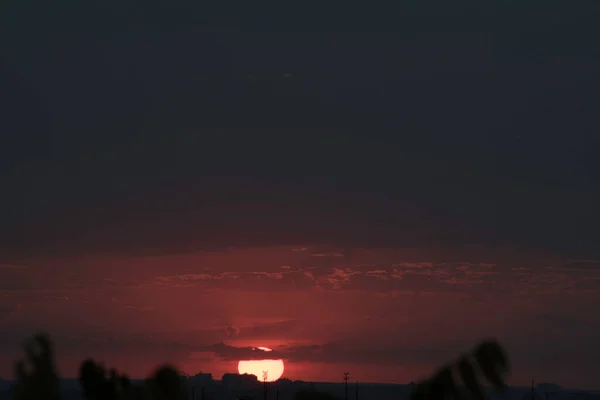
[368, 391]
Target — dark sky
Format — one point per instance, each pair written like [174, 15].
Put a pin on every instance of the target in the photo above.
[141, 131]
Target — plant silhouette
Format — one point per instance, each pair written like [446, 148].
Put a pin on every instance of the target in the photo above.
[36, 375]
[41, 382]
[37, 379]
[97, 385]
[165, 384]
[492, 362]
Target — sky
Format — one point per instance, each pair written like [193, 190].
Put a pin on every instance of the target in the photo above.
[364, 190]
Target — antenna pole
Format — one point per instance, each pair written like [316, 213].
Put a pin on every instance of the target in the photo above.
[265, 376]
[346, 377]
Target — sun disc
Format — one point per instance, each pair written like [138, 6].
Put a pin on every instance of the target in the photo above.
[273, 369]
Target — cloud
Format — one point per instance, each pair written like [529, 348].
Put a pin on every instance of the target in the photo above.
[413, 265]
[268, 329]
[337, 353]
[327, 255]
[8, 310]
[166, 226]
[336, 278]
[285, 278]
[12, 266]
[183, 280]
[390, 275]
[378, 307]
[379, 274]
[227, 352]
[100, 341]
[62, 298]
[232, 331]
[140, 308]
[583, 269]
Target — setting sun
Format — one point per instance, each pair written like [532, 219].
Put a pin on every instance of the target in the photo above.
[272, 368]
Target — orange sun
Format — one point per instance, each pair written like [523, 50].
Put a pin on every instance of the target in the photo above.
[273, 368]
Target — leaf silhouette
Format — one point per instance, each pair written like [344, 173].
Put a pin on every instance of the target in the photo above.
[443, 382]
[467, 373]
[493, 363]
[490, 359]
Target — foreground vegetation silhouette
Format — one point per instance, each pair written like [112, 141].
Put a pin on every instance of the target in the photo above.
[490, 359]
[37, 378]
[314, 395]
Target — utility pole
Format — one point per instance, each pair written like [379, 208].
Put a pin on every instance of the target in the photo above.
[357, 390]
[194, 393]
[532, 390]
[265, 376]
[346, 377]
